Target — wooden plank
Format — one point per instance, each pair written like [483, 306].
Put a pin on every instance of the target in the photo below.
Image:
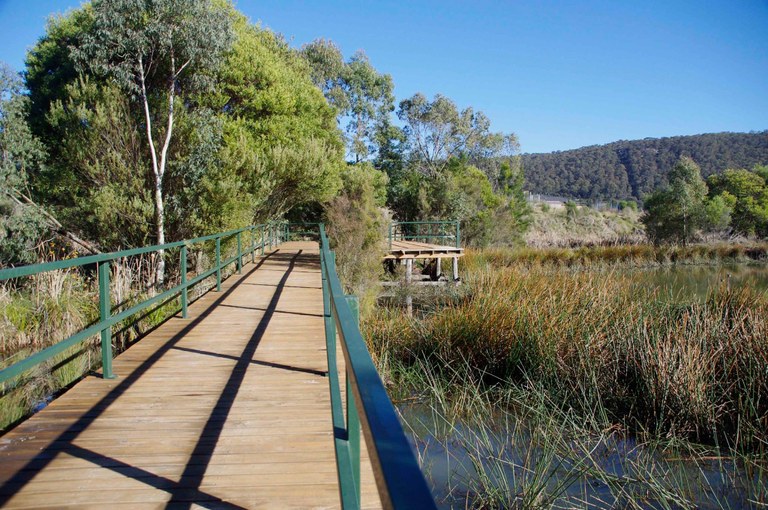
[227, 409]
[404, 250]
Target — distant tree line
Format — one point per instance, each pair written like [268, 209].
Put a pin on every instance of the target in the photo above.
[734, 202]
[633, 169]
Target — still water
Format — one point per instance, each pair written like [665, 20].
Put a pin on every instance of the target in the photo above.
[510, 462]
[514, 463]
[695, 282]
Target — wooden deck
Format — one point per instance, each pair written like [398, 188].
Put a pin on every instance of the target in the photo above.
[416, 250]
[228, 409]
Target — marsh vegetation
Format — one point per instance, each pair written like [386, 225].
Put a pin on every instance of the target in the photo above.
[564, 378]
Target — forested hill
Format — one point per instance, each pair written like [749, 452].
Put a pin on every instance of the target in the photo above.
[634, 168]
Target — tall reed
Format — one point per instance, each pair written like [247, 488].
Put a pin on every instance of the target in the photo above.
[510, 446]
[594, 340]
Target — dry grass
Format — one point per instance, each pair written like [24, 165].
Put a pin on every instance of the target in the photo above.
[41, 310]
[593, 340]
[586, 226]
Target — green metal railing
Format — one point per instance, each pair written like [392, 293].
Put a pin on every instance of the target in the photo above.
[434, 232]
[368, 408]
[268, 234]
[400, 481]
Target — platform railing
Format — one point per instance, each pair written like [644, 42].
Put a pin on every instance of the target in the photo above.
[433, 232]
[268, 234]
[399, 479]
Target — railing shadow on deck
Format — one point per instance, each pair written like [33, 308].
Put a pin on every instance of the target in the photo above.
[180, 493]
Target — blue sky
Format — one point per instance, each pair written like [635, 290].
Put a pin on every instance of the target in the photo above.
[559, 74]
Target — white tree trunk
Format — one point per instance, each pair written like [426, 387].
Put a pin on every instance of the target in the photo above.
[158, 167]
[160, 222]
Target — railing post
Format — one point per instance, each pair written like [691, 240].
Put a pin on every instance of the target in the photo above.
[263, 240]
[458, 234]
[253, 244]
[184, 292]
[390, 236]
[353, 420]
[218, 264]
[105, 310]
[239, 254]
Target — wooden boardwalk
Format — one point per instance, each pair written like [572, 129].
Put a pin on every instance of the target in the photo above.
[228, 409]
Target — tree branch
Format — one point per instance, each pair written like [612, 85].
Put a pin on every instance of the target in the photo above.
[148, 118]
[53, 222]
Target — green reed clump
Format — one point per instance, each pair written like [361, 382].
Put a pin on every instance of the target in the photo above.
[593, 340]
[50, 304]
[50, 307]
[46, 308]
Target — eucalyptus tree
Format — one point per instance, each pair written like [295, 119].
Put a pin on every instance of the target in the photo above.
[747, 193]
[363, 97]
[676, 213]
[437, 131]
[371, 101]
[157, 51]
[326, 64]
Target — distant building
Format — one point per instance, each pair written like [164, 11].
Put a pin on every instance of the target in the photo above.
[551, 200]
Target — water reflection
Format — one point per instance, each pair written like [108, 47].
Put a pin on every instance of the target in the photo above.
[695, 282]
[511, 462]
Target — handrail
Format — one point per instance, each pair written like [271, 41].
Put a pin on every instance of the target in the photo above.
[399, 479]
[270, 234]
[417, 232]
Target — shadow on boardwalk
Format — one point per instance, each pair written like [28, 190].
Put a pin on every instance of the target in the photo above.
[185, 488]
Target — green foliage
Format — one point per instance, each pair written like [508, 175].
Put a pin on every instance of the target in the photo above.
[357, 224]
[450, 168]
[513, 219]
[463, 192]
[99, 180]
[762, 171]
[50, 67]
[149, 47]
[21, 223]
[677, 213]
[326, 64]
[627, 204]
[252, 137]
[633, 169]
[362, 96]
[280, 135]
[437, 131]
[718, 210]
[746, 194]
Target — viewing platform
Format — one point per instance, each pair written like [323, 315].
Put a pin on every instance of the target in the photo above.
[428, 242]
